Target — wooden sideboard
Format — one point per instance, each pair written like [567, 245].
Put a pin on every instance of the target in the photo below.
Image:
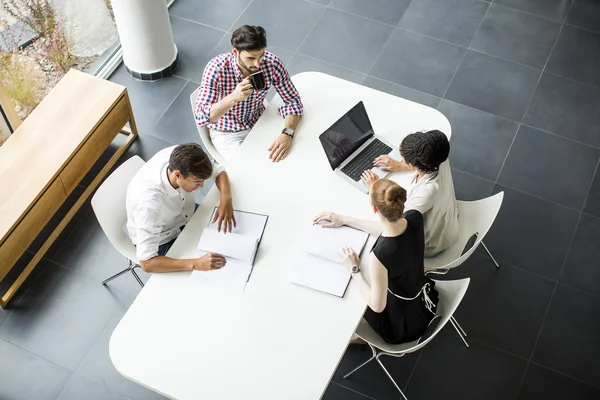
[48, 155]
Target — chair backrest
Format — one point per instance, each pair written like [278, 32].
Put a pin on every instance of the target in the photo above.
[205, 134]
[108, 204]
[450, 295]
[473, 217]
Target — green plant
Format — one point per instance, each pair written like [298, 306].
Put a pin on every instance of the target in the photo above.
[20, 87]
[55, 49]
[39, 15]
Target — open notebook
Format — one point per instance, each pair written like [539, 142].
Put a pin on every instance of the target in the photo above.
[239, 248]
[318, 264]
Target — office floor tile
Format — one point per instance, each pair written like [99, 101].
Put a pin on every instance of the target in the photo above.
[552, 9]
[490, 84]
[61, 316]
[79, 388]
[287, 22]
[531, 233]
[346, 40]
[454, 21]
[469, 187]
[148, 99]
[480, 141]
[193, 53]
[576, 55]
[418, 62]
[402, 91]
[592, 204]
[585, 14]
[220, 14]
[566, 107]
[302, 63]
[97, 367]
[502, 300]
[536, 165]
[177, 124]
[337, 392]
[581, 269]
[386, 11]
[449, 370]
[371, 380]
[569, 339]
[516, 36]
[542, 383]
[26, 376]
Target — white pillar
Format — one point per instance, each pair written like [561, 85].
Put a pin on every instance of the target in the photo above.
[149, 51]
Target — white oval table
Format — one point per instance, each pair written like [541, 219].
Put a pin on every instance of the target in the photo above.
[276, 340]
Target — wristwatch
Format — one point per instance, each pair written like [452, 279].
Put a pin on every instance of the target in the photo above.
[288, 131]
[355, 269]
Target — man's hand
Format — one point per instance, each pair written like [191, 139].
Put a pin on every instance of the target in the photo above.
[242, 90]
[333, 220]
[349, 257]
[208, 262]
[280, 147]
[387, 163]
[224, 216]
[369, 177]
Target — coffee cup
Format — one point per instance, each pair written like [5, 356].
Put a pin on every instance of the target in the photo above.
[257, 80]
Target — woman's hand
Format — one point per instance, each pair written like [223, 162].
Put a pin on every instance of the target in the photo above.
[387, 163]
[333, 220]
[349, 257]
[369, 177]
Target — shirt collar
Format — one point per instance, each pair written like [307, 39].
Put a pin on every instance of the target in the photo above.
[236, 68]
[171, 191]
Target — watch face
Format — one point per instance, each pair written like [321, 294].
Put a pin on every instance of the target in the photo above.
[288, 131]
[355, 269]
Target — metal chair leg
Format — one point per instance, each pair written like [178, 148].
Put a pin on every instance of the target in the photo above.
[441, 271]
[363, 364]
[104, 282]
[489, 254]
[459, 334]
[136, 275]
[390, 376]
[459, 327]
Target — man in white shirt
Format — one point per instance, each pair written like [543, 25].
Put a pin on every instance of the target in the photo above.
[431, 191]
[161, 200]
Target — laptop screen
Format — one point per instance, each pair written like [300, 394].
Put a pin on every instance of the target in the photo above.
[346, 135]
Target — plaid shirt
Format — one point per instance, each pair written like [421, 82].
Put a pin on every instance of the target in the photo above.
[221, 76]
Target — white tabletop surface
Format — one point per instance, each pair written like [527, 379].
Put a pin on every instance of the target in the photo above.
[276, 340]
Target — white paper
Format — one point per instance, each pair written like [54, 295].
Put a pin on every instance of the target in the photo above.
[231, 245]
[328, 242]
[320, 274]
[232, 277]
[247, 224]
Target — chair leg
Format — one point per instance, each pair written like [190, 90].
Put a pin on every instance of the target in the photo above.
[390, 376]
[489, 254]
[363, 364]
[115, 276]
[136, 275]
[459, 334]
[459, 327]
[441, 271]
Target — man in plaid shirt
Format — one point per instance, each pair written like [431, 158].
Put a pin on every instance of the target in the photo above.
[227, 102]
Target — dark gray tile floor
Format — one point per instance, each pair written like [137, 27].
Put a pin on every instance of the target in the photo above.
[519, 81]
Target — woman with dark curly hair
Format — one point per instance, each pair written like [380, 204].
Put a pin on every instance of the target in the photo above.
[431, 191]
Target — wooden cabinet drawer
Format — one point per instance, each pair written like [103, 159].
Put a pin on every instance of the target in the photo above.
[94, 146]
[31, 225]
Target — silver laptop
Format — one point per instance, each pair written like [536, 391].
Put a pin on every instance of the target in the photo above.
[351, 146]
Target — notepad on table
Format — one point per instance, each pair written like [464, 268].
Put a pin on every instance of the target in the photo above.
[239, 248]
[318, 264]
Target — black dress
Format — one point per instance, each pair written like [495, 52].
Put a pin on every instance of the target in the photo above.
[403, 320]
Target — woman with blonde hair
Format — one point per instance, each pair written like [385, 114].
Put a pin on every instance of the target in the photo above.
[401, 299]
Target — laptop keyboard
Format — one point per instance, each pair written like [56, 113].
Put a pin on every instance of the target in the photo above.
[364, 160]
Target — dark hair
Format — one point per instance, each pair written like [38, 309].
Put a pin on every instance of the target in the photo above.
[389, 198]
[249, 38]
[190, 159]
[425, 150]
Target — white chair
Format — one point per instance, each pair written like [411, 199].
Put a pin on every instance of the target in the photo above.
[108, 204]
[205, 133]
[450, 294]
[473, 217]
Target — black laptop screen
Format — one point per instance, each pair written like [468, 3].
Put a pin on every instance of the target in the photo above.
[346, 135]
